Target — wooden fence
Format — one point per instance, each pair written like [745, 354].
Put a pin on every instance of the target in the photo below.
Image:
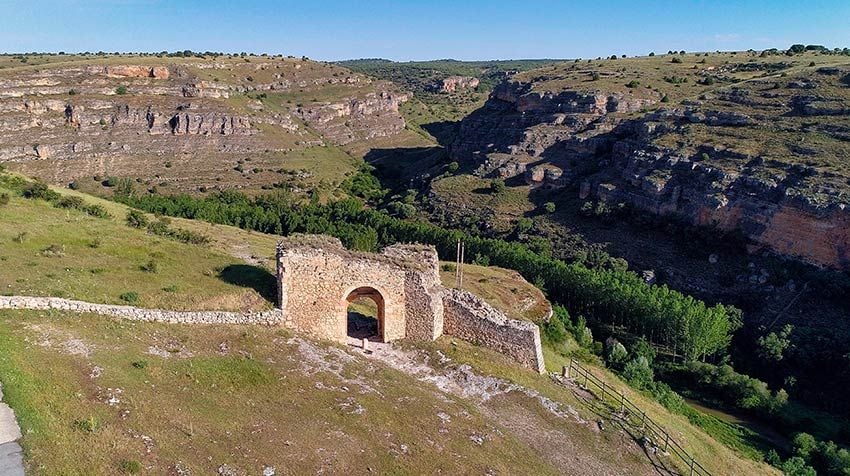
[633, 415]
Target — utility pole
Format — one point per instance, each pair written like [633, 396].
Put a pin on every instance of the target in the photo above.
[457, 265]
[462, 251]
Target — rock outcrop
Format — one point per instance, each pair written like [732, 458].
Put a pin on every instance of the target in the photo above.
[187, 123]
[455, 83]
[677, 160]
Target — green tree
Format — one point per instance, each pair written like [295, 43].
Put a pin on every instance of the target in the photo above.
[804, 445]
[772, 347]
[497, 186]
[549, 207]
[638, 373]
[796, 466]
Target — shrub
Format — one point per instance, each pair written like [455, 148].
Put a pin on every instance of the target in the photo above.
[74, 185]
[70, 202]
[549, 207]
[159, 227]
[523, 225]
[633, 84]
[449, 267]
[804, 444]
[615, 352]
[582, 333]
[131, 466]
[149, 267]
[665, 98]
[95, 243]
[121, 90]
[110, 182]
[554, 331]
[130, 297]
[140, 364]
[136, 219]
[170, 289]
[453, 167]
[497, 186]
[89, 425]
[594, 76]
[796, 466]
[20, 237]
[401, 210]
[40, 190]
[638, 374]
[4, 199]
[481, 260]
[676, 60]
[96, 211]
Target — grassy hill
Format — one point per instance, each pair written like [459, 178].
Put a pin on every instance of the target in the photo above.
[98, 395]
[51, 251]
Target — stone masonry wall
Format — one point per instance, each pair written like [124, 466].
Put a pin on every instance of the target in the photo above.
[267, 318]
[315, 282]
[470, 318]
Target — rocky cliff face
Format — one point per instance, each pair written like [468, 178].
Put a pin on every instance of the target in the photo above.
[455, 83]
[356, 119]
[88, 117]
[764, 156]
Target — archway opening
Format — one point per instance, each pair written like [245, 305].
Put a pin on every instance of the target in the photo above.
[365, 314]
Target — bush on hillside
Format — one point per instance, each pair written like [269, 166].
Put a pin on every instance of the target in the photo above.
[40, 190]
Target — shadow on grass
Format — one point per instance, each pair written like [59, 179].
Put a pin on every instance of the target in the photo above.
[249, 276]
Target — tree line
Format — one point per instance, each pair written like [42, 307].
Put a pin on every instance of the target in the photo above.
[684, 325]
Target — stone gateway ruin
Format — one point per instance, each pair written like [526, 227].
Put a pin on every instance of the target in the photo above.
[317, 279]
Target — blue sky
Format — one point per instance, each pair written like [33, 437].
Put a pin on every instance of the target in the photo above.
[415, 30]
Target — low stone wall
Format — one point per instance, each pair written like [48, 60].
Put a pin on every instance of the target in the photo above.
[268, 318]
[468, 317]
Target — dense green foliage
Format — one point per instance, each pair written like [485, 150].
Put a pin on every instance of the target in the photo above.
[737, 390]
[667, 317]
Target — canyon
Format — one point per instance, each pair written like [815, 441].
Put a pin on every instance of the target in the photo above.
[731, 155]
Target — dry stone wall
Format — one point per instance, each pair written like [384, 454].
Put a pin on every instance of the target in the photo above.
[268, 318]
[468, 317]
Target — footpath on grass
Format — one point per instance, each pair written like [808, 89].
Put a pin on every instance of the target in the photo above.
[11, 455]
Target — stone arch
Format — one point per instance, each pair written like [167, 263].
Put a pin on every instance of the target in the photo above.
[365, 291]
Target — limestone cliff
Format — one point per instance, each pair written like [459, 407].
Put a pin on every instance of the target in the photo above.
[765, 156]
[187, 122]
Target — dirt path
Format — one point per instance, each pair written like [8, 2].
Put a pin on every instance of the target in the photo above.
[11, 457]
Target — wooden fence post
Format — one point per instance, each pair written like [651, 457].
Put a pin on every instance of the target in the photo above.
[692, 466]
[603, 391]
[622, 402]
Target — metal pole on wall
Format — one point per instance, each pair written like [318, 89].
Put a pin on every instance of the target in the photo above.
[457, 265]
[462, 251]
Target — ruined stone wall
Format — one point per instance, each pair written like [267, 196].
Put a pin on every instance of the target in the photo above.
[316, 274]
[268, 318]
[470, 318]
[316, 280]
